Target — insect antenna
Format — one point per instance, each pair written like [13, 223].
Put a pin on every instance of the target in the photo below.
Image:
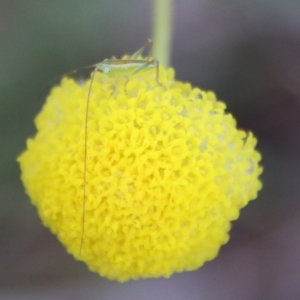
[85, 160]
[56, 81]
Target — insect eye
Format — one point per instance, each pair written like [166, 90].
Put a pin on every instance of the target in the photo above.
[106, 70]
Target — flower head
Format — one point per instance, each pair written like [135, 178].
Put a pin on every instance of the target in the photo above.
[166, 172]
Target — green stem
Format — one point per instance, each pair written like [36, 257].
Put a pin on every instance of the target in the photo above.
[162, 31]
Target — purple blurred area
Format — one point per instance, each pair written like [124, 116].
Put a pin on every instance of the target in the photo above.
[247, 52]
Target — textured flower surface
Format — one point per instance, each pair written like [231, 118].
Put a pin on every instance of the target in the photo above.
[166, 172]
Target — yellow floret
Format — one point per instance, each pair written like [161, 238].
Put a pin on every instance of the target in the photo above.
[167, 170]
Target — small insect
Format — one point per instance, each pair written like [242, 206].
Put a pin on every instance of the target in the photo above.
[116, 68]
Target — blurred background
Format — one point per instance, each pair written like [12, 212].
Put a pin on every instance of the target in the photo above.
[247, 51]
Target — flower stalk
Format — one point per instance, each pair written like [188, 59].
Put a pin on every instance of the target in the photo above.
[162, 31]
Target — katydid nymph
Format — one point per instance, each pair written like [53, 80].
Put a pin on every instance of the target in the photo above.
[113, 68]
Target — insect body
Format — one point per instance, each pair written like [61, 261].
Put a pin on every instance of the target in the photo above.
[114, 68]
[128, 66]
[125, 67]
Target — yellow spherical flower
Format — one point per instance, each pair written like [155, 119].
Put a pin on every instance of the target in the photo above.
[166, 172]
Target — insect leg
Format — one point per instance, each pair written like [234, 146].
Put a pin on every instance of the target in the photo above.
[154, 62]
[138, 53]
[114, 86]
